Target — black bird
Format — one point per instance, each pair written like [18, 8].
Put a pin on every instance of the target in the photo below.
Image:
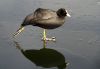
[44, 18]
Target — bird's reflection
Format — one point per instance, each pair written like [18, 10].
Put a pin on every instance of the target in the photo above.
[44, 57]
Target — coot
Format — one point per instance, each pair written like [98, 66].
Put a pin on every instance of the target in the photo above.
[44, 18]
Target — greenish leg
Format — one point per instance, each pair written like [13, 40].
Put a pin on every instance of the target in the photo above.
[44, 38]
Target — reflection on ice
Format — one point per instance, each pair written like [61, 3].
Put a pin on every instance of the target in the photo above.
[44, 57]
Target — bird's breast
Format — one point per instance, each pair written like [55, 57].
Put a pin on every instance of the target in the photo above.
[49, 23]
[48, 26]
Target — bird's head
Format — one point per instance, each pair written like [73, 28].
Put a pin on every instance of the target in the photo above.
[62, 12]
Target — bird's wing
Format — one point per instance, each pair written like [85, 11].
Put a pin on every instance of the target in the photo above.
[43, 14]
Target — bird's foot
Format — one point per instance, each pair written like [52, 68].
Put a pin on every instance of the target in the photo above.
[53, 39]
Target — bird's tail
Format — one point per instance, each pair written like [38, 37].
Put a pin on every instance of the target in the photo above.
[19, 31]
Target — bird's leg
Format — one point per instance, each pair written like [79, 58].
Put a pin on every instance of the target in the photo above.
[18, 31]
[44, 38]
[44, 34]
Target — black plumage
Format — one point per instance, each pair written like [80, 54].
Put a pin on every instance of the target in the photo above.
[46, 18]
